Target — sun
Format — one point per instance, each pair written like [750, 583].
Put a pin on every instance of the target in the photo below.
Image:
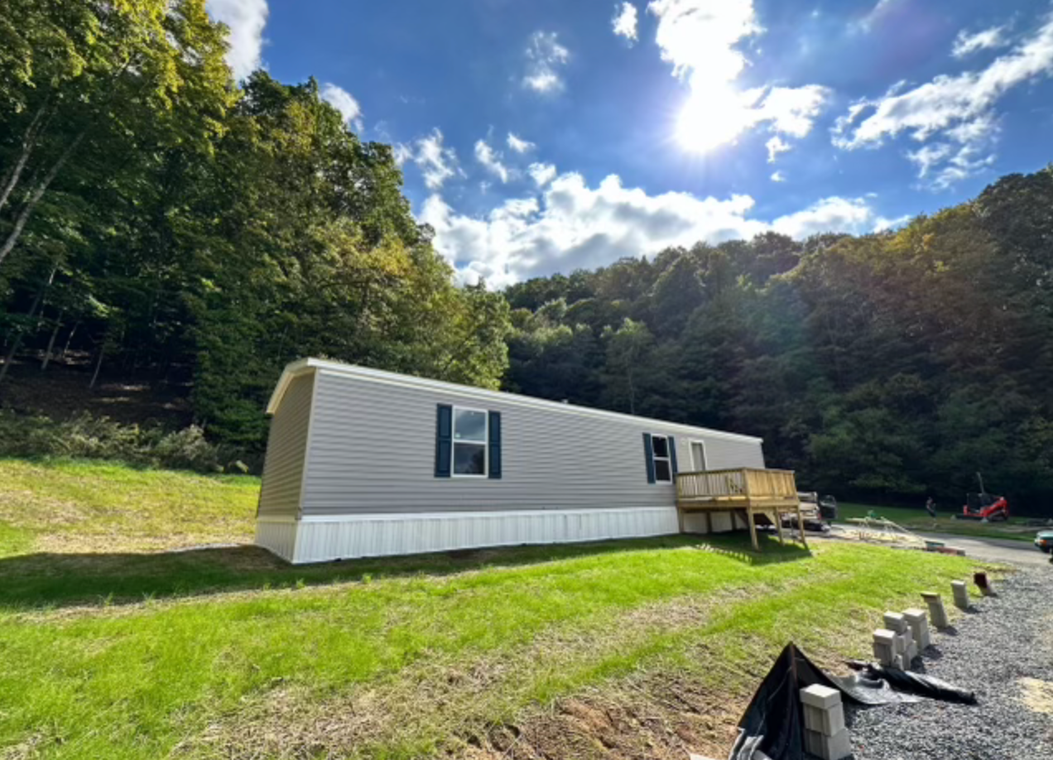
[710, 119]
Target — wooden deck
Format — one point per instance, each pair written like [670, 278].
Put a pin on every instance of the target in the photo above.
[744, 491]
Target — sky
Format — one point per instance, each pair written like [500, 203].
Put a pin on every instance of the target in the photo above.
[546, 136]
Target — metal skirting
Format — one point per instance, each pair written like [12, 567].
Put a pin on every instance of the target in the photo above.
[318, 539]
[278, 535]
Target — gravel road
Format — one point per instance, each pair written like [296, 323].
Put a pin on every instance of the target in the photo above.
[1002, 650]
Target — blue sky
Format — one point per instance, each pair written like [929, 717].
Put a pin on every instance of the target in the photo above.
[548, 135]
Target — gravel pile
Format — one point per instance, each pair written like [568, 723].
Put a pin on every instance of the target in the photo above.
[1007, 638]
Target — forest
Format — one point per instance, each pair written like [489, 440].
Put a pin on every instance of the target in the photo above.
[163, 224]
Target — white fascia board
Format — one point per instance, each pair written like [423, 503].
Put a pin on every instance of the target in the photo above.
[301, 366]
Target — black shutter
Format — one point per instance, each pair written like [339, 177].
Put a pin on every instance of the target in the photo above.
[495, 445]
[672, 455]
[648, 457]
[443, 441]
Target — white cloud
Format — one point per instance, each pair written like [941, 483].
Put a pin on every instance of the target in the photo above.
[702, 41]
[344, 102]
[877, 15]
[778, 177]
[966, 43]
[544, 58]
[624, 22]
[491, 160]
[775, 146]
[960, 108]
[436, 162]
[542, 174]
[572, 225]
[519, 145]
[246, 20]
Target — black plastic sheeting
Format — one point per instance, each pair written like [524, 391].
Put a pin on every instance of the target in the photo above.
[773, 724]
[915, 683]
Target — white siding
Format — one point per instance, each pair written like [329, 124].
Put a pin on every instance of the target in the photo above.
[372, 451]
[286, 447]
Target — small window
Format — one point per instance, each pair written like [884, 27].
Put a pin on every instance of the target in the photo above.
[663, 467]
[469, 442]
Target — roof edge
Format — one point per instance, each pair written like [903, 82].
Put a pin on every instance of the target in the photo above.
[303, 366]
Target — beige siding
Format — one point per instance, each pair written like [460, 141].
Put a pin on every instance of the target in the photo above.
[373, 451]
[286, 449]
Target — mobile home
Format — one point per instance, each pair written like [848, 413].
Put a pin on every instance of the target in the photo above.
[362, 462]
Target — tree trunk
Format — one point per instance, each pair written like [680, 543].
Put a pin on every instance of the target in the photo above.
[35, 197]
[28, 143]
[98, 364]
[69, 339]
[51, 342]
[29, 318]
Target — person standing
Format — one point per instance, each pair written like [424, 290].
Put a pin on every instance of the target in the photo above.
[930, 507]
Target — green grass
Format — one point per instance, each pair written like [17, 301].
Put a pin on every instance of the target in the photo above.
[229, 653]
[919, 520]
[89, 505]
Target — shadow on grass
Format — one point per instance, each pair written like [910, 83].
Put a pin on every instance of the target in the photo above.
[34, 581]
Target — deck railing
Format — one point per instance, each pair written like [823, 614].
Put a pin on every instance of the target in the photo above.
[734, 485]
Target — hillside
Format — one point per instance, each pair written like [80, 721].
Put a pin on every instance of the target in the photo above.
[611, 649]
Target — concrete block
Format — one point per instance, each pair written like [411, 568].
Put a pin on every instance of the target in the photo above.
[827, 722]
[937, 613]
[895, 622]
[961, 594]
[904, 640]
[911, 653]
[833, 747]
[918, 621]
[884, 636]
[899, 661]
[822, 697]
[884, 654]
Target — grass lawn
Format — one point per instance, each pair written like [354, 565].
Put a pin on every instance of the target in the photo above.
[112, 652]
[919, 520]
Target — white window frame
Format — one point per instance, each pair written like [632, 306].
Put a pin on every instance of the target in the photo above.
[705, 454]
[454, 441]
[655, 458]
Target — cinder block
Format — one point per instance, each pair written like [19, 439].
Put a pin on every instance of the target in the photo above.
[918, 621]
[895, 622]
[961, 594]
[884, 653]
[884, 636]
[828, 722]
[903, 641]
[937, 613]
[833, 747]
[911, 653]
[820, 696]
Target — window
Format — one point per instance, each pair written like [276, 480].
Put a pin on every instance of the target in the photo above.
[663, 466]
[469, 442]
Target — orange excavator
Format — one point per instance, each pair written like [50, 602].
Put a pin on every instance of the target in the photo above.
[985, 506]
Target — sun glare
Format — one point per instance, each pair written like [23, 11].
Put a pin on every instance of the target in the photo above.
[711, 119]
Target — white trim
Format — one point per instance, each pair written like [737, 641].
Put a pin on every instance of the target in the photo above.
[668, 458]
[319, 538]
[691, 454]
[485, 443]
[301, 366]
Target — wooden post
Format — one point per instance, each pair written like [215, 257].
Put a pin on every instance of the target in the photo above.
[800, 525]
[778, 526]
[753, 529]
[709, 522]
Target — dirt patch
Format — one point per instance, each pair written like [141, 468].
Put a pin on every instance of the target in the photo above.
[1037, 695]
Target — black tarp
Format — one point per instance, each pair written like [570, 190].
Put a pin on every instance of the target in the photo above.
[773, 724]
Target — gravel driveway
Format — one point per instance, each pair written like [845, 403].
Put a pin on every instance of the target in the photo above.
[1003, 650]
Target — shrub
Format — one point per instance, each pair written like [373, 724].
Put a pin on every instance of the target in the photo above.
[88, 437]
